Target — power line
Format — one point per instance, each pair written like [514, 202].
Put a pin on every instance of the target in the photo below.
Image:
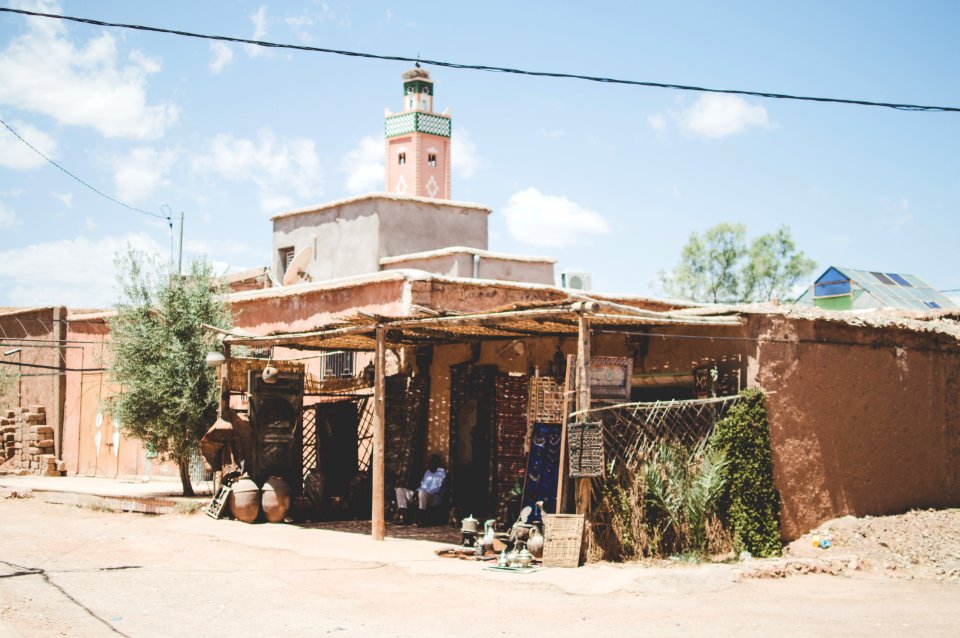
[95, 190]
[493, 69]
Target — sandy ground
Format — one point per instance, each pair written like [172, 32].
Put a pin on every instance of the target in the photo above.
[67, 571]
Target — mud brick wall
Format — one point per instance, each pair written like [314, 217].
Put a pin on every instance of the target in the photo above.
[28, 442]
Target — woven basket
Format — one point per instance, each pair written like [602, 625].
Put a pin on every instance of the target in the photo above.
[562, 539]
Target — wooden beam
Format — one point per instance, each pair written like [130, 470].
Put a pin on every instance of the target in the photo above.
[377, 524]
[563, 469]
[583, 490]
[225, 381]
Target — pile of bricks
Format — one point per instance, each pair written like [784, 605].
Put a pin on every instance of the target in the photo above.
[28, 441]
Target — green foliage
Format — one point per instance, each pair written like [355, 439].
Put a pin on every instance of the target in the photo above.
[682, 490]
[158, 354]
[8, 381]
[720, 266]
[622, 500]
[750, 504]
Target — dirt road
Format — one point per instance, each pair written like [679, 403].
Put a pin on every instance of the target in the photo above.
[76, 572]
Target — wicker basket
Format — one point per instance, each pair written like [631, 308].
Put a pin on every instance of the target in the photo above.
[562, 539]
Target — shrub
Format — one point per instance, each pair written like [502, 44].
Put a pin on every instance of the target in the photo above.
[749, 504]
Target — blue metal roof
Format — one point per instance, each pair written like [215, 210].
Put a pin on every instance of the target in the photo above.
[894, 290]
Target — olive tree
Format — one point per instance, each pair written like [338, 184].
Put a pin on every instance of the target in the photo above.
[158, 346]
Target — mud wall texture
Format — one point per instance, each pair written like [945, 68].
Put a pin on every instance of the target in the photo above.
[863, 421]
[87, 414]
[30, 337]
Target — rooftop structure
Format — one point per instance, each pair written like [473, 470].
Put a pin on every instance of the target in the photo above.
[841, 288]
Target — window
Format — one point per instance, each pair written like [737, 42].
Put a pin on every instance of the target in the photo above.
[882, 278]
[338, 365]
[286, 256]
[402, 158]
[432, 159]
[900, 280]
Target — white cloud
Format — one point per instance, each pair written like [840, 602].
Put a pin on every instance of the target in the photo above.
[364, 166]
[464, 157]
[42, 70]
[657, 122]
[551, 134]
[550, 220]
[259, 20]
[280, 168]
[137, 175]
[75, 272]
[719, 115]
[66, 198]
[299, 24]
[89, 223]
[222, 56]
[904, 214]
[8, 219]
[17, 155]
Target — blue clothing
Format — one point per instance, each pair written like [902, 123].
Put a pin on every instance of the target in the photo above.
[434, 482]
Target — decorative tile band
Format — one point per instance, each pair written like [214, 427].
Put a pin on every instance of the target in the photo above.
[417, 122]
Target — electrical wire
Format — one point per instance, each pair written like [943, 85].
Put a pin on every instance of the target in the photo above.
[95, 190]
[480, 67]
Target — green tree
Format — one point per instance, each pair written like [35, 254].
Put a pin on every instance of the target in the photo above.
[158, 349]
[721, 267]
[774, 266]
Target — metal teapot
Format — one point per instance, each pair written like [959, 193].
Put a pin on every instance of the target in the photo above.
[470, 525]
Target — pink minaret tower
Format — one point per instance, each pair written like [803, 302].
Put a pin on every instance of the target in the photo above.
[418, 142]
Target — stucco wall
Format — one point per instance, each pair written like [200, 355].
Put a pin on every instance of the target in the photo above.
[351, 238]
[534, 272]
[450, 265]
[866, 423]
[460, 264]
[36, 337]
[88, 393]
[303, 308]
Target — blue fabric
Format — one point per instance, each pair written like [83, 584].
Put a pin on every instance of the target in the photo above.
[434, 482]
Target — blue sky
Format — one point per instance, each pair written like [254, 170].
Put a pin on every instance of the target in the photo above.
[608, 179]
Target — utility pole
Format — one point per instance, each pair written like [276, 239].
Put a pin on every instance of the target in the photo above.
[180, 248]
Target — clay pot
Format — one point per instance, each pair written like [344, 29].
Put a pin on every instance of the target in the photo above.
[535, 542]
[245, 500]
[276, 499]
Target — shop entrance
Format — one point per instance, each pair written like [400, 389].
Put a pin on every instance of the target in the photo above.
[471, 434]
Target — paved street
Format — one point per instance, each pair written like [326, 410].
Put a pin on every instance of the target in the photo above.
[69, 571]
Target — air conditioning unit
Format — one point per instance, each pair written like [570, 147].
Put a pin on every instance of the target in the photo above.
[575, 280]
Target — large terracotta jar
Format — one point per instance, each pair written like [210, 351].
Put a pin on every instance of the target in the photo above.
[276, 499]
[245, 500]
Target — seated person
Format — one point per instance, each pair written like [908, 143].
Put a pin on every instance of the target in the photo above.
[429, 494]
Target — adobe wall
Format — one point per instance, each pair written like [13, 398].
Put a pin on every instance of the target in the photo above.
[350, 238]
[862, 421]
[303, 309]
[505, 269]
[467, 296]
[88, 393]
[36, 386]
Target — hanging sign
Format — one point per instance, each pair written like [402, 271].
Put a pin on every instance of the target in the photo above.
[610, 377]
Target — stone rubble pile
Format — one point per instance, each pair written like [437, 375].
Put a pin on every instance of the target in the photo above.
[28, 441]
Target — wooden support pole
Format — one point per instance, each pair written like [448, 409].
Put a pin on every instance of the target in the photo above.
[583, 489]
[562, 472]
[225, 382]
[378, 526]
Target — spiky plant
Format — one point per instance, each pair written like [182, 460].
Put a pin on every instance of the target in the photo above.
[682, 489]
